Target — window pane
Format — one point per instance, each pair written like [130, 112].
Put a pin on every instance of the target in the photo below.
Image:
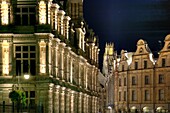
[17, 20]
[25, 55]
[25, 10]
[25, 66]
[32, 48]
[18, 55]
[25, 48]
[32, 55]
[18, 67]
[32, 9]
[32, 94]
[32, 67]
[32, 19]
[18, 48]
[17, 9]
[24, 19]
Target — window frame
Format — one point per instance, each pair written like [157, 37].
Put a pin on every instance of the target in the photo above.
[23, 61]
[146, 79]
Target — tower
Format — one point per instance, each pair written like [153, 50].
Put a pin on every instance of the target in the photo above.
[108, 71]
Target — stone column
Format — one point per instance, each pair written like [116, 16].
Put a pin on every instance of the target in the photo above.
[50, 99]
[62, 100]
[72, 101]
[68, 101]
[56, 99]
[80, 102]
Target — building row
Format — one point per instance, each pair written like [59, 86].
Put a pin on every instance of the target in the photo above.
[51, 42]
[141, 81]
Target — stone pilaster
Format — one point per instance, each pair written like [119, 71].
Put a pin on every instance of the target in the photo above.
[66, 27]
[67, 72]
[75, 102]
[62, 100]
[50, 99]
[72, 101]
[80, 102]
[54, 12]
[84, 103]
[61, 14]
[71, 70]
[56, 99]
[61, 63]
[68, 101]
[79, 72]
[56, 52]
[92, 101]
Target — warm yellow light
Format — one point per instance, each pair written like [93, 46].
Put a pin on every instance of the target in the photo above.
[5, 57]
[26, 76]
[4, 13]
[42, 57]
[42, 12]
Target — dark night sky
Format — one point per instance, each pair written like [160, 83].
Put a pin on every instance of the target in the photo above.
[124, 22]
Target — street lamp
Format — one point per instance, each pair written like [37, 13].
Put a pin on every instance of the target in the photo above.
[26, 76]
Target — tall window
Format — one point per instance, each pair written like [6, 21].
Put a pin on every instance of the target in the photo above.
[163, 62]
[124, 81]
[25, 12]
[133, 80]
[30, 98]
[147, 95]
[119, 81]
[119, 96]
[161, 79]
[25, 59]
[134, 95]
[146, 79]
[145, 64]
[161, 94]
[136, 65]
[124, 96]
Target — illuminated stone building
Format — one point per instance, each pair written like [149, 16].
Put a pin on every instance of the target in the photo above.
[142, 81]
[50, 41]
[108, 68]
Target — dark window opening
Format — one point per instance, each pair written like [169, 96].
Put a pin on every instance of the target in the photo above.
[136, 65]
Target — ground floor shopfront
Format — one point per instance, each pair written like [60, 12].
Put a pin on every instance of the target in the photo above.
[143, 108]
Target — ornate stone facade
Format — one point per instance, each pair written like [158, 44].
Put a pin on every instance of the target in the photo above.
[142, 80]
[60, 54]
